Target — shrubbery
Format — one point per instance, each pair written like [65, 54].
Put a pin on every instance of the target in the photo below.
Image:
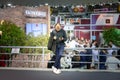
[40, 40]
[13, 35]
[112, 34]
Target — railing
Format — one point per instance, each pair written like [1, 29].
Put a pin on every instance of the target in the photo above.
[23, 56]
[39, 57]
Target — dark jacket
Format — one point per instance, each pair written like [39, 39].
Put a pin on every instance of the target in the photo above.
[52, 43]
[59, 34]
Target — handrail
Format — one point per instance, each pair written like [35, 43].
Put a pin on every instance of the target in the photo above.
[23, 47]
[43, 54]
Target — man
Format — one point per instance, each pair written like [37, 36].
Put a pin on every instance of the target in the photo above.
[59, 37]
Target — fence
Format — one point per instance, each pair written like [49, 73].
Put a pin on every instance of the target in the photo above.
[40, 57]
[24, 56]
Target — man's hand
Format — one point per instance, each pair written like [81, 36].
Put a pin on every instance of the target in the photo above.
[54, 37]
[61, 38]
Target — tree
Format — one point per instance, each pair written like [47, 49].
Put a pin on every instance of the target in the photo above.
[41, 40]
[112, 34]
[12, 35]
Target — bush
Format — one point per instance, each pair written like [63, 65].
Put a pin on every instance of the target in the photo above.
[41, 40]
[12, 35]
[112, 34]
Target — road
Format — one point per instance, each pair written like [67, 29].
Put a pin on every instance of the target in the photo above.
[47, 74]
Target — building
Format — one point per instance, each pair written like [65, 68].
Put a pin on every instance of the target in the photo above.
[31, 19]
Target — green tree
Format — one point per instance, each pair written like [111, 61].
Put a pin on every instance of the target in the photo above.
[12, 35]
[112, 34]
[40, 40]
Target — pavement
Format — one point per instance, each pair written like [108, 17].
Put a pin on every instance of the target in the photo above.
[67, 74]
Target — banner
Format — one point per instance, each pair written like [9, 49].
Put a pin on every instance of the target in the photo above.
[105, 19]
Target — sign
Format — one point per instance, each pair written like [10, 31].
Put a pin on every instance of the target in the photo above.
[69, 27]
[93, 37]
[36, 29]
[15, 50]
[35, 13]
[105, 19]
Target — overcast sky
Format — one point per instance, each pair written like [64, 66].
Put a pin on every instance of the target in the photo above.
[54, 2]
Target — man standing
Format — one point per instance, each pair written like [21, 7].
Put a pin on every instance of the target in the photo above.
[59, 37]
